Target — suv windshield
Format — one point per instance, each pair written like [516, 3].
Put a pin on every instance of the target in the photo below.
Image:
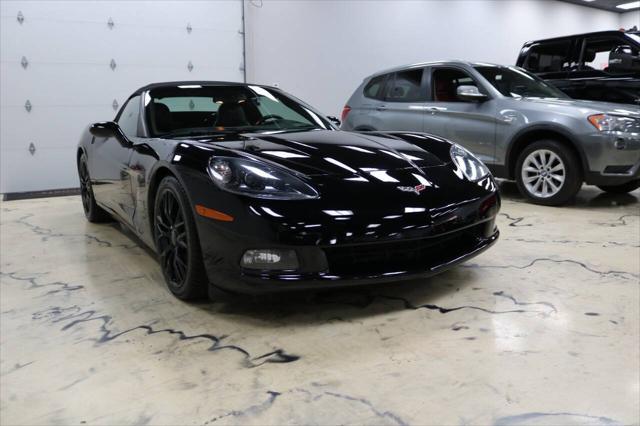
[517, 83]
[192, 110]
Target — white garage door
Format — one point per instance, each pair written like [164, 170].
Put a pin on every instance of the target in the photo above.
[67, 64]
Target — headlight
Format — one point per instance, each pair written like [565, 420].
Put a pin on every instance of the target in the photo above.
[614, 123]
[257, 179]
[467, 164]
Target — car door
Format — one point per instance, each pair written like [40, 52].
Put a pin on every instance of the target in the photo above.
[471, 124]
[109, 163]
[403, 104]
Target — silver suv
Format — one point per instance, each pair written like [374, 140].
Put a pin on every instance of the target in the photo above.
[521, 127]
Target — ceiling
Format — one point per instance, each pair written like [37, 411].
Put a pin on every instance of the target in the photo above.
[609, 5]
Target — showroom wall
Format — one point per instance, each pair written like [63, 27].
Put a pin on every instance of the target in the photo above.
[629, 19]
[321, 50]
[65, 64]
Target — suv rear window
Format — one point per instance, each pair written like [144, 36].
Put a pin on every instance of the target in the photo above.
[548, 57]
[406, 86]
[375, 88]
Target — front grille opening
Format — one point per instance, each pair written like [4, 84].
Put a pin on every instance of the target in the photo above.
[618, 170]
[421, 254]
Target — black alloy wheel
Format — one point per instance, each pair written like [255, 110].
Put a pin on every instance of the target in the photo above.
[177, 242]
[92, 211]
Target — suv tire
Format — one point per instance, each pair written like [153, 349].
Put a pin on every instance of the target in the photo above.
[548, 173]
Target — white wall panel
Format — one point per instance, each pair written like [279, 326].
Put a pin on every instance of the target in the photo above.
[69, 82]
[321, 50]
[630, 19]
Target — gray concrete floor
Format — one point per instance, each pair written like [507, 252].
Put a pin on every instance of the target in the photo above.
[541, 329]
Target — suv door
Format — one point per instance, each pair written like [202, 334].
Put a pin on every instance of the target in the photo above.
[550, 60]
[403, 104]
[471, 124]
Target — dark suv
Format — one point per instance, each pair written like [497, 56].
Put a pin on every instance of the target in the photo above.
[601, 66]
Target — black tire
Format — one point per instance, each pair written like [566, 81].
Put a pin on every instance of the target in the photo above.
[177, 242]
[93, 212]
[563, 184]
[621, 189]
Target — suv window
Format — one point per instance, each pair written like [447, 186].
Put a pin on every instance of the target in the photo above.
[406, 86]
[548, 57]
[375, 88]
[595, 54]
[128, 120]
[445, 84]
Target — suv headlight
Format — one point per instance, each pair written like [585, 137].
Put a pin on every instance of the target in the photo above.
[467, 164]
[614, 123]
[257, 179]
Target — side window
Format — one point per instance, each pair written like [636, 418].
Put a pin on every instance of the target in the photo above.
[128, 120]
[596, 54]
[548, 57]
[375, 88]
[270, 106]
[406, 86]
[445, 82]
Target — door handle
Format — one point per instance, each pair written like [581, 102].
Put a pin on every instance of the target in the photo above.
[435, 109]
[381, 107]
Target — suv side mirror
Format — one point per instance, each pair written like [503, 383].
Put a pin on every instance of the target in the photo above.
[470, 93]
[105, 129]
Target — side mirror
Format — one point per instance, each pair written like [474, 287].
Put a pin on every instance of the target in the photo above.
[105, 129]
[334, 120]
[470, 93]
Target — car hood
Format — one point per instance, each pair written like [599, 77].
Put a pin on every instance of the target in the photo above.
[327, 152]
[581, 107]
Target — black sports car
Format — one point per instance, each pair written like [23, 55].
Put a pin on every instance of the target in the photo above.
[247, 188]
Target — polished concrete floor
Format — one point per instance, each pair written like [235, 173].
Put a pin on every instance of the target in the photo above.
[541, 329]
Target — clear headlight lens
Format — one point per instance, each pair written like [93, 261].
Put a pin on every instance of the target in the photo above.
[614, 123]
[257, 179]
[467, 164]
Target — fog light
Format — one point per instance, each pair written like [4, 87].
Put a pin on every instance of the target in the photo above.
[269, 259]
[620, 143]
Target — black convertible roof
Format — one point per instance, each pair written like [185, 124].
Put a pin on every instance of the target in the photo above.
[188, 83]
[596, 33]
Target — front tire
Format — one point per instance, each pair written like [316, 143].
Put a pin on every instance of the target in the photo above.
[177, 242]
[548, 173]
[621, 189]
[93, 212]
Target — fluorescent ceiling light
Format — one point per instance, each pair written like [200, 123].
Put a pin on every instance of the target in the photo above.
[627, 6]
[588, 1]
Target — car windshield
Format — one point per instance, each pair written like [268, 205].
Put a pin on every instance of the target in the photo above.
[196, 110]
[517, 83]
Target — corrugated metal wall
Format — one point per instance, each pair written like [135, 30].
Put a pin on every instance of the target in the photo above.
[66, 64]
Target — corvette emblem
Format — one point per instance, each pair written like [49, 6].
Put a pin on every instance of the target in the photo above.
[415, 189]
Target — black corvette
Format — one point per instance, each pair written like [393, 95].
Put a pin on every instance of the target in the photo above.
[249, 189]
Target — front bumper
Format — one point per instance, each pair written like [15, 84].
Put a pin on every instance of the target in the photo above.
[356, 233]
[440, 261]
[612, 158]
[327, 265]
